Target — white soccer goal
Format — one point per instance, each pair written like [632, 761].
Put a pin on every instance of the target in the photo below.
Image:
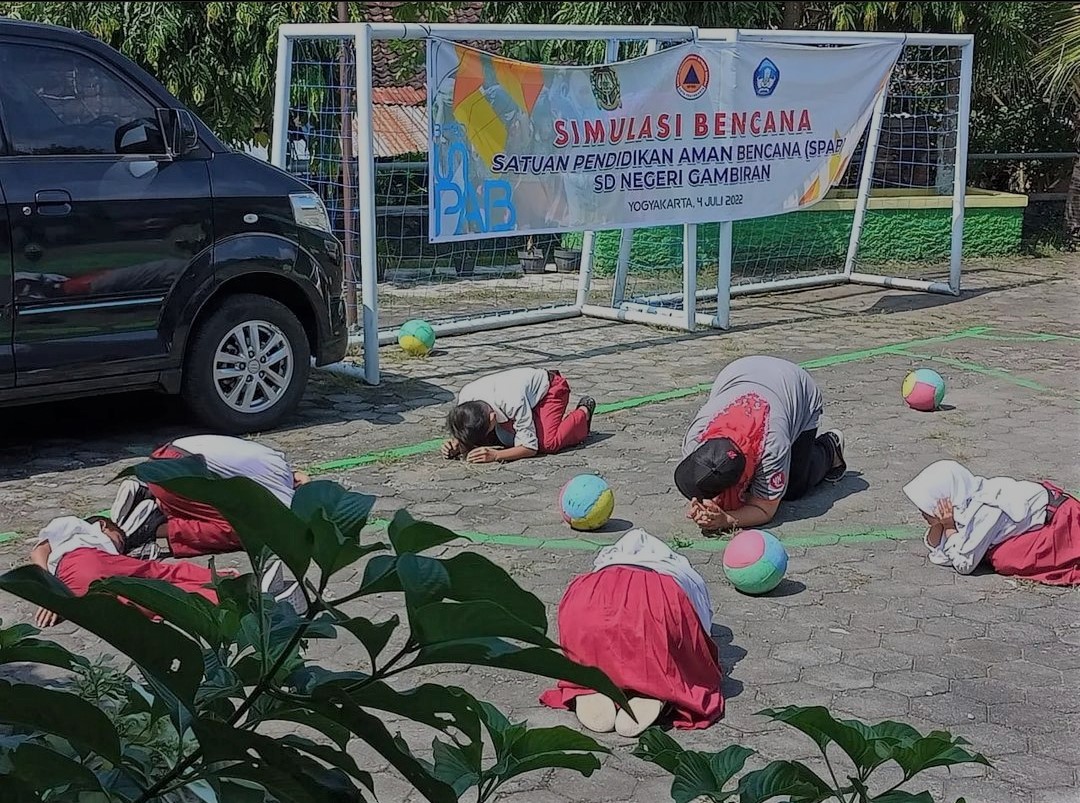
[905, 186]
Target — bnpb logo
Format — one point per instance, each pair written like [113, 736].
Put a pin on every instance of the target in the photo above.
[692, 77]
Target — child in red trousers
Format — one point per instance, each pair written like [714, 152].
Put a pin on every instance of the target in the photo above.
[147, 513]
[515, 414]
[80, 552]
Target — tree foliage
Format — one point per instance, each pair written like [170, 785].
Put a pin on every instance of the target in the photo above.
[864, 748]
[217, 57]
[211, 680]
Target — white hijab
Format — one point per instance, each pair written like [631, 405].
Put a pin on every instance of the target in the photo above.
[947, 479]
[638, 548]
[68, 533]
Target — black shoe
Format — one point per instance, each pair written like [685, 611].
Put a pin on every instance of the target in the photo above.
[836, 440]
[589, 403]
[141, 526]
[129, 496]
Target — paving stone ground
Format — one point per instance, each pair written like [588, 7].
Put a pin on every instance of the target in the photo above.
[863, 623]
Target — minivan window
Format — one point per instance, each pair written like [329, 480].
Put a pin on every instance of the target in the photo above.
[61, 102]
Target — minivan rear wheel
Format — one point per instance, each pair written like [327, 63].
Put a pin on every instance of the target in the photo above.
[247, 365]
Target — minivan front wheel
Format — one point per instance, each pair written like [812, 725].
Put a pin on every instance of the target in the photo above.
[247, 365]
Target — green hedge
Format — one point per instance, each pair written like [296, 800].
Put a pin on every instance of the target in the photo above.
[794, 240]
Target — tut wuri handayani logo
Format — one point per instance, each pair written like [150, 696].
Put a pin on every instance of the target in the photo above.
[766, 78]
[605, 88]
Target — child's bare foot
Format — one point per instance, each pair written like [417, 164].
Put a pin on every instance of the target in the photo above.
[646, 711]
[589, 403]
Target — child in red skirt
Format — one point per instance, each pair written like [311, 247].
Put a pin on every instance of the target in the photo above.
[643, 617]
[516, 414]
[1021, 528]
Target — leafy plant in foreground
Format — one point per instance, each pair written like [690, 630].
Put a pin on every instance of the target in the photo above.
[211, 678]
[867, 747]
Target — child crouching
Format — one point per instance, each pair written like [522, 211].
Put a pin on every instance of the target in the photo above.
[515, 414]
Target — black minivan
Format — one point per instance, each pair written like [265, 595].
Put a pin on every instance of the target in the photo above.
[137, 251]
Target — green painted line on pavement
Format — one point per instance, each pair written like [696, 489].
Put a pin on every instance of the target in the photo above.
[433, 445]
[985, 370]
[585, 544]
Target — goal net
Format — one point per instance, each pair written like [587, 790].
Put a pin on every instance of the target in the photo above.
[351, 119]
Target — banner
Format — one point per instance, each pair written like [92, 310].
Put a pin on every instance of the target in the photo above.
[701, 132]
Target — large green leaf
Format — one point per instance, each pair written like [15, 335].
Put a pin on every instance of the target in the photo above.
[455, 767]
[374, 636]
[817, 723]
[334, 757]
[451, 621]
[340, 708]
[192, 613]
[494, 652]
[935, 750]
[281, 769]
[424, 580]
[260, 520]
[60, 714]
[43, 769]
[18, 645]
[333, 550]
[440, 707]
[274, 710]
[706, 774]
[904, 797]
[658, 748]
[161, 651]
[346, 510]
[550, 748]
[407, 535]
[783, 779]
[472, 577]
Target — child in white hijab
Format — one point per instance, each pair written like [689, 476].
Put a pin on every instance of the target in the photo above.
[968, 515]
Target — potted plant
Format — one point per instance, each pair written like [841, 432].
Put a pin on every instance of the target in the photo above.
[532, 259]
[567, 260]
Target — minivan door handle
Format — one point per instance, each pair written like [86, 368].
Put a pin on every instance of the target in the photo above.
[53, 202]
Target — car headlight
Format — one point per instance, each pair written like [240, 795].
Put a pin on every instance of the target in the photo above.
[309, 211]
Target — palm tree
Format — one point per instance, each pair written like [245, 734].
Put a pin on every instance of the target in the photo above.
[1059, 61]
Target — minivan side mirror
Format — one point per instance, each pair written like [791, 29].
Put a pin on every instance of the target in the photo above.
[181, 134]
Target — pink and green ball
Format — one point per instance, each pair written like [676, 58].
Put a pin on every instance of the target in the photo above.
[586, 502]
[416, 338]
[755, 561]
[923, 390]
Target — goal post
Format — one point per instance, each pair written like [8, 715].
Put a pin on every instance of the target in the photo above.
[375, 179]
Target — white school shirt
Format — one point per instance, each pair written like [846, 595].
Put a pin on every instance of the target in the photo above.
[236, 457]
[639, 548]
[513, 395]
[68, 533]
[987, 511]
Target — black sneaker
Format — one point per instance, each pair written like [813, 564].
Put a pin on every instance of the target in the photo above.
[140, 528]
[278, 582]
[128, 496]
[836, 439]
[589, 403]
